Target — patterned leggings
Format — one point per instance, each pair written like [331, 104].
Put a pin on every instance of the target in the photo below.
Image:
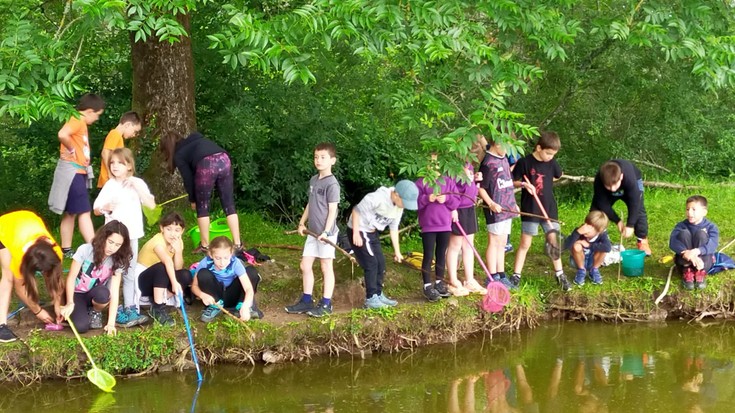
[214, 171]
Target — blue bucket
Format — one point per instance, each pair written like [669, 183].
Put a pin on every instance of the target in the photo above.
[633, 261]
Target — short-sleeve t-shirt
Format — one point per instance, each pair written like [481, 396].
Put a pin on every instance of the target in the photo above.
[114, 140]
[541, 175]
[18, 231]
[80, 143]
[498, 182]
[147, 257]
[91, 275]
[127, 205]
[226, 275]
[322, 192]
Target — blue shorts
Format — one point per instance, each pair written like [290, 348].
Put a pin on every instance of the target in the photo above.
[78, 200]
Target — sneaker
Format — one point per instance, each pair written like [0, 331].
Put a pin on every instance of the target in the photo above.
[515, 279]
[474, 287]
[508, 247]
[299, 308]
[69, 254]
[374, 302]
[237, 250]
[431, 293]
[441, 287]
[209, 313]
[130, 317]
[596, 276]
[160, 315]
[458, 290]
[687, 278]
[506, 282]
[699, 277]
[95, 319]
[255, 313]
[563, 282]
[387, 301]
[201, 249]
[321, 310]
[6, 336]
[580, 276]
[643, 246]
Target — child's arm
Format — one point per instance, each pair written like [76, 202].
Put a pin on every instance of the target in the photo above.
[488, 201]
[395, 241]
[71, 282]
[65, 136]
[114, 299]
[206, 298]
[248, 288]
[675, 245]
[356, 238]
[105, 203]
[170, 264]
[302, 221]
[331, 217]
[571, 239]
[146, 198]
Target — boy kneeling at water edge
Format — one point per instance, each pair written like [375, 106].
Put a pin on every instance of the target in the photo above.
[694, 241]
[215, 282]
[588, 245]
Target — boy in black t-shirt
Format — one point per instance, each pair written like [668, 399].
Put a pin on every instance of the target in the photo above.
[541, 170]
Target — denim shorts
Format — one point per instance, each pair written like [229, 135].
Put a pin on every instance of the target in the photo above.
[531, 228]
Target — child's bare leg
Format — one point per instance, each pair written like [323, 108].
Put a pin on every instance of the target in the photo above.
[233, 222]
[307, 274]
[160, 295]
[490, 253]
[66, 229]
[328, 274]
[86, 228]
[203, 223]
[521, 252]
[468, 258]
[578, 255]
[501, 240]
[453, 250]
[597, 259]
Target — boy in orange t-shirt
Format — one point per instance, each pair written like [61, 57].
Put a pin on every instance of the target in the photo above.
[128, 127]
[74, 148]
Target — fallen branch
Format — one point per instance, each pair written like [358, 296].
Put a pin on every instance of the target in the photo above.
[412, 226]
[283, 247]
[651, 164]
[566, 179]
[666, 287]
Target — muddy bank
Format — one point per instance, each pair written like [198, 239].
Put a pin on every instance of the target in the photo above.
[281, 337]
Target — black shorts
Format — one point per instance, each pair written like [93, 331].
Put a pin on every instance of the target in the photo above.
[468, 220]
[78, 200]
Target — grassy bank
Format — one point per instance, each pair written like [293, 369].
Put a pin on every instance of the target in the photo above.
[413, 323]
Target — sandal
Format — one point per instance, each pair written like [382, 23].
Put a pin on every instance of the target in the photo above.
[474, 287]
[458, 290]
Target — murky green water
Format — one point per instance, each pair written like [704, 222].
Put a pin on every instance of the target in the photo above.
[565, 367]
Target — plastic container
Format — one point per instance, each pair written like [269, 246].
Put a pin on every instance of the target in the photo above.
[633, 261]
[217, 228]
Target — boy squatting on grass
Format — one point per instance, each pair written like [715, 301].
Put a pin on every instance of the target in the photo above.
[694, 241]
[541, 169]
[588, 244]
[321, 214]
[620, 179]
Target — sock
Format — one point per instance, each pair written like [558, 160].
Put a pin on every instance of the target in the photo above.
[493, 276]
[438, 280]
[65, 250]
[559, 273]
[427, 285]
[517, 274]
[306, 298]
[326, 301]
[502, 274]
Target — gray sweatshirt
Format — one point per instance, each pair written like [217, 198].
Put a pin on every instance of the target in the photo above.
[377, 211]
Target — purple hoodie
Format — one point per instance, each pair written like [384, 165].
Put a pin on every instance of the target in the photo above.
[468, 189]
[433, 216]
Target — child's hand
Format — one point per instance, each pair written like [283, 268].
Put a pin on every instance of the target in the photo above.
[110, 329]
[302, 229]
[441, 199]
[495, 207]
[478, 176]
[207, 299]
[397, 257]
[584, 243]
[44, 316]
[178, 246]
[244, 313]
[528, 187]
[432, 198]
[455, 216]
[356, 239]
[194, 206]
[67, 310]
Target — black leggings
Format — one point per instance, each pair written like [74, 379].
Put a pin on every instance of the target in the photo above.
[214, 171]
[83, 303]
[434, 241]
[230, 295]
[371, 259]
[155, 276]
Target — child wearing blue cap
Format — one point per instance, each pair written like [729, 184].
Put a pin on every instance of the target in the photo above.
[377, 210]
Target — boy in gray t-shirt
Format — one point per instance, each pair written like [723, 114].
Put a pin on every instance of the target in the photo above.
[321, 214]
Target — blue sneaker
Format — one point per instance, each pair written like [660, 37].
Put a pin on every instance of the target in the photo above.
[579, 278]
[130, 317]
[374, 302]
[210, 313]
[506, 282]
[596, 276]
[508, 247]
[387, 301]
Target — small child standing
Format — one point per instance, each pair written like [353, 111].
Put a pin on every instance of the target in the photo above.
[377, 210]
[540, 169]
[160, 269]
[69, 195]
[214, 282]
[321, 214]
[128, 127]
[694, 241]
[620, 179]
[121, 199]
[435, 213]
[588, 245]
[496, 190]
[94, 278]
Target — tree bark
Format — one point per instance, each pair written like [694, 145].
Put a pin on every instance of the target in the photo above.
[163, 94]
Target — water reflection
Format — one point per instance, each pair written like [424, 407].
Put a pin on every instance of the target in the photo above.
[568, 367]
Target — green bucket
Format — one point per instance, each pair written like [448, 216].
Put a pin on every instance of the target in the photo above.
[633, 262]
[217, 228]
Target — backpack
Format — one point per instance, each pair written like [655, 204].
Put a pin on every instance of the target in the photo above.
[722, 263]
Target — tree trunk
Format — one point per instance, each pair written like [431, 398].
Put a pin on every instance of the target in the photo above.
[163, 94]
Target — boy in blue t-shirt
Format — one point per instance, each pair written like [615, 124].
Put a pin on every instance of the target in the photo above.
[221, 278]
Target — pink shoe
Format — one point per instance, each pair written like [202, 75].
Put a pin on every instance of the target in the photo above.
[54, 327]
